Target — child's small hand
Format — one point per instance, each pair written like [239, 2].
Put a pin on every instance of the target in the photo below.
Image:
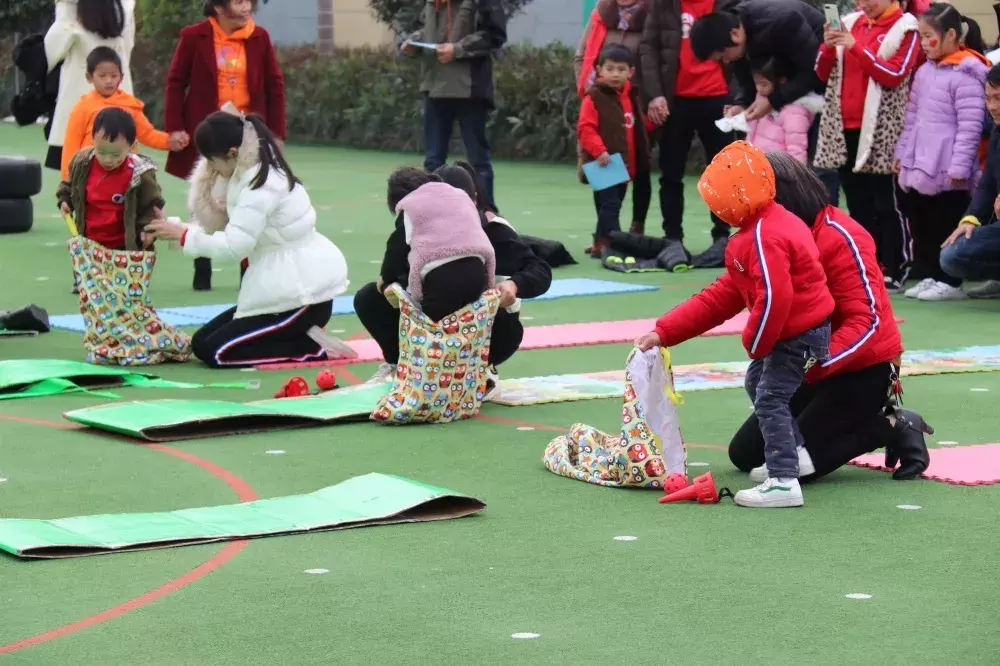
[604, 159]
[65, 208]
[508, 293]
[996, 206]
[177, 142]
[957, 182]
[895, 167]
[647, 342]
[379, 284]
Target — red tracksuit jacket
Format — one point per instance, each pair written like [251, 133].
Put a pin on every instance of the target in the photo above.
[773, 270]
[864, 326]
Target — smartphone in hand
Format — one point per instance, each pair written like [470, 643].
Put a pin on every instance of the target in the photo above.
[833, 17]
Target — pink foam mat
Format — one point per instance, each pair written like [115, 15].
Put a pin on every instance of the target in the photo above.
[976, 465]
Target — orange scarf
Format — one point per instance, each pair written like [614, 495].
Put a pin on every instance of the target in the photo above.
[738, 183]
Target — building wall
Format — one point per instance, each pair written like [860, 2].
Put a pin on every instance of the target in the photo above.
[546, 21]
[982, 12]
[289, 21]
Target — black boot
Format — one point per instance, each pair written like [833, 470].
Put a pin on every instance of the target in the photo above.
[202, 274]
[908, 447]
[713, 257]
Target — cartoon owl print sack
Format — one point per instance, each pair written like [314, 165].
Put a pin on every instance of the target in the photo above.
[441, 375]
[121, 326]
[650, 446]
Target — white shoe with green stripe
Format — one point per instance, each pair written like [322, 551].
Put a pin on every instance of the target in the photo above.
[772, 494]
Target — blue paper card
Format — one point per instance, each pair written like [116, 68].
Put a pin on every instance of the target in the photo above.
[601, 178]
[424, 45]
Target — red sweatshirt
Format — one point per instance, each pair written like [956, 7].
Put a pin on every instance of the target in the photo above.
[864, 326]
[105, 213]
[773, 270]
[587, 127]
[862, 63]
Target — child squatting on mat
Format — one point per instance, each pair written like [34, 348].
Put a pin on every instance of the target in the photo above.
[773, 270]
[267, 217]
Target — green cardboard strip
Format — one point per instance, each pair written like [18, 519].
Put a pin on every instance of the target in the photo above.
[37, 377]
[372, 499]
[170, 420]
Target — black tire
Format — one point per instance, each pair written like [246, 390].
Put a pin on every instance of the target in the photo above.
[20, 178]
[16, 215]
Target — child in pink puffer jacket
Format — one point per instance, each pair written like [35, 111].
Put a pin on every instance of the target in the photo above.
[787, 130]
[937, 156]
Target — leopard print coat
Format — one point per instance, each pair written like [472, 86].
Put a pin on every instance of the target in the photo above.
[884, 114]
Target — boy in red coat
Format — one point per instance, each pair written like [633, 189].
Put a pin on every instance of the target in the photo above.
[773, 270]
[611, 121]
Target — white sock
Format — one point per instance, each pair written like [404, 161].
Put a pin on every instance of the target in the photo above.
[892, 419]
[785, 479]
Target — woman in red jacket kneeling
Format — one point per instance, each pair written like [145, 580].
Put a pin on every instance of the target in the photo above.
[224, 59]
[846, 406]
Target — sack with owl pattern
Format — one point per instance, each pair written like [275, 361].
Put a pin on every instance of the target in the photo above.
[650, 446]
[441, 375]
[121, 326]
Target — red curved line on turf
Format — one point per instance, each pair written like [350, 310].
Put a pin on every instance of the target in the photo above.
[243, 490]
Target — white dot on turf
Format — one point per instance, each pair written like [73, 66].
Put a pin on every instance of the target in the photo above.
[525, 428]
[3, 480]
[697, 464]
[524, 634]
[979, 390]
[42, 278]
[947, 443]
[216, 270]
[248, 369]
[374, 261]
[274, 452]
[858, 595]
[316, 571]
[338, 330]
[525, 212]
[572, 236]
[908, 507]
[626, 538]
[348, 231]
[526, 317]
[52, 244]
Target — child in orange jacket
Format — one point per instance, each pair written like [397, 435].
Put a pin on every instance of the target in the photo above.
[773, 269]
[104, 71]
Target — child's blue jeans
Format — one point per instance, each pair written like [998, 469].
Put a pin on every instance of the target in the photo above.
[770, 382]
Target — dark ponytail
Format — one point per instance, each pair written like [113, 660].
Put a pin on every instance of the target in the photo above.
[105, 18]
[221, 132]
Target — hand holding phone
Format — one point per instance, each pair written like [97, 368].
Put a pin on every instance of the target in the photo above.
[833, 17]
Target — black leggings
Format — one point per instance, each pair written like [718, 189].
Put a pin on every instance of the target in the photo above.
[840, 418]
[261, 339]
[381, 320]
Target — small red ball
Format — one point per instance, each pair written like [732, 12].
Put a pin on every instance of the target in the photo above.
[675, 482]
[326, 380]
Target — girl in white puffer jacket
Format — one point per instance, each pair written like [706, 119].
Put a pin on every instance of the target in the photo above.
[267, 219]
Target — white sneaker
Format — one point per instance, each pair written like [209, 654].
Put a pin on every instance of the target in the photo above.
[772, 494]
[385, 373]
[806, 467]
[919, 288]
[492, 384]
[941, 291]
[988, 289]
[335, 348]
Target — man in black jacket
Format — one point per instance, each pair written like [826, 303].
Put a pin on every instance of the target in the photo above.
[972, 252]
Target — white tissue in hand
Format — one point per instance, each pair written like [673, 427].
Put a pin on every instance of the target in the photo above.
[737, 123]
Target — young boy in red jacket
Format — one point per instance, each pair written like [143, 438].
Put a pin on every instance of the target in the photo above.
[773, 269]
[611, 121]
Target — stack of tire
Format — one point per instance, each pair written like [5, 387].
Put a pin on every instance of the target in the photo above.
[20, 179]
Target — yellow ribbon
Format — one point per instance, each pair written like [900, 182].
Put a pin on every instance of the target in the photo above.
[71, 223]
[668, 388]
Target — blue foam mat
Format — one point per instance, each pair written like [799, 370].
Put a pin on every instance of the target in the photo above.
[199, 315]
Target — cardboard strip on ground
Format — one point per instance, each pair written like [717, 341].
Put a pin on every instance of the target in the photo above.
[362, 501]
[171, 420]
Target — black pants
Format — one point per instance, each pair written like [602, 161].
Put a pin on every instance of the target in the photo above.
[829, 177]
[688, 115]
[451, 287]
[261, 339]
[840, 419]
[608, 203]
[381, 320]
[439, 121]
[642, 194]
[871, 200]
[932, 219]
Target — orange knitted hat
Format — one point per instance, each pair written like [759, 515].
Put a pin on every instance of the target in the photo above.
[738, 183]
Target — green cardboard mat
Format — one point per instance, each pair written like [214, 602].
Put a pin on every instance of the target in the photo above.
[168, 420]
[372, 499]
[37, 377]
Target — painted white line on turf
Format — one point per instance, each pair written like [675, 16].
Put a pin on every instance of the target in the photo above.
[216, 270]
[52, 244]
[525, 428]
[375, 261]
[3, 480]
[698, 464]
[274, 452]
[908, 507]
[979, 390]
[524, 634]
[42, 278]
[572, 236]
[316, 571]
[626, 538]
[858, 595]
[348, 231]
[526, 318]
[248, 369]
[947, 442]
[338, 330]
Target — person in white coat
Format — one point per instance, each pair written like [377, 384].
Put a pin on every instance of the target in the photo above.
[81, 26]
[248, 205]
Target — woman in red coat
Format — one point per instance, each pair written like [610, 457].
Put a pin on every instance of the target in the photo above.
[225, 58]
[844, 408]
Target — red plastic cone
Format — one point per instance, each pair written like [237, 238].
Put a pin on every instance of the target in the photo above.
[702, 489]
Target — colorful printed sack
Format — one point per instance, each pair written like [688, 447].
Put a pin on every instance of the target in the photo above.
[441, 375]
[650, 446]
[122, 328]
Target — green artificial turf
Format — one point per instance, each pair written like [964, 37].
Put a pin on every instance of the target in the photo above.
[700, 584]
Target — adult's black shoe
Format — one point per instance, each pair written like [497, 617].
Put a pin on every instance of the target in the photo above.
[713, 257]
[908, 447]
